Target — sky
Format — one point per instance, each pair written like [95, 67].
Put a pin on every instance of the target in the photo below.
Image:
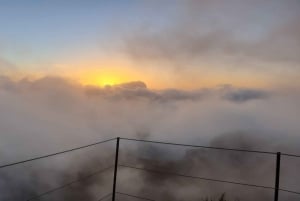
[206, 72]
[166, 44]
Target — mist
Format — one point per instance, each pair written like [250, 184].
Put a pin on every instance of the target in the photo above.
[198, 30]
[53, 114]
[210, 72]
[234, 40]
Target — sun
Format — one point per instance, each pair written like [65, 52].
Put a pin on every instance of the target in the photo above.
[102, 79]
[106, 76]
[108, 80]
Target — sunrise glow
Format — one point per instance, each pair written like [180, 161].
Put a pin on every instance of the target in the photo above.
[87, 85]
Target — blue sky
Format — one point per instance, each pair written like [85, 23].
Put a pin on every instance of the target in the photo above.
[49, 30]
[49, 26]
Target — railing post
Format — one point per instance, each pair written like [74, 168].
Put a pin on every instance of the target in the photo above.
[116, 169]
[278, 155]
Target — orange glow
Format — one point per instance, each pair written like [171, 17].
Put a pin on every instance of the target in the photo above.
[99, 72]
[102, 79]
[118, 71]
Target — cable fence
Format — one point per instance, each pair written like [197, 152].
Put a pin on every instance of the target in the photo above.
[274, 183]
[163, 169]
[69, 184]
[62, 175]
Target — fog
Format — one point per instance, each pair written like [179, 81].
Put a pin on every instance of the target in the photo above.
[52, 114]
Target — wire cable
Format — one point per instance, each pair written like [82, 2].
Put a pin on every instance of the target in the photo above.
[195, 177]
[147, 141]
[208, 179]
[69, 184]
[291, 155]
[54, 154]
[200, 146]
[134, 196]
[288, 191]
[155, 171]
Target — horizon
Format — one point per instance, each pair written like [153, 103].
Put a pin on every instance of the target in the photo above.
[171, 44]
[211, 72]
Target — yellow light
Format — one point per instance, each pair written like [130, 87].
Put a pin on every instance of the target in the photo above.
[108, 80]
[104, 77]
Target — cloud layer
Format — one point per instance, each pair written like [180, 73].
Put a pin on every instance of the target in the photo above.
[51, 114]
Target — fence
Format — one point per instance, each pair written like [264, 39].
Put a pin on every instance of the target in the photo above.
[276, 188]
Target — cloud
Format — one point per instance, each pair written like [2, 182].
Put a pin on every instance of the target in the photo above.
[124, 92]
[52, 114]
[242, 95]
[206, 163]
[6, 66]
[31, 181]
[135, 90]
[206, 30]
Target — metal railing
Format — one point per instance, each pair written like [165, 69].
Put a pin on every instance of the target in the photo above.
[276, 188]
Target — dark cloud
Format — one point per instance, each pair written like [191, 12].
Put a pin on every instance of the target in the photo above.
[132, 85]
[242, 95]
[134, 90]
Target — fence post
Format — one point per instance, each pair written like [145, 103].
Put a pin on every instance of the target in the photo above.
[278, 155]
[116, 169]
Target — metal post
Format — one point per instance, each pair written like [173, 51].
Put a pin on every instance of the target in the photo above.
[116, 169]
[277, 176]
